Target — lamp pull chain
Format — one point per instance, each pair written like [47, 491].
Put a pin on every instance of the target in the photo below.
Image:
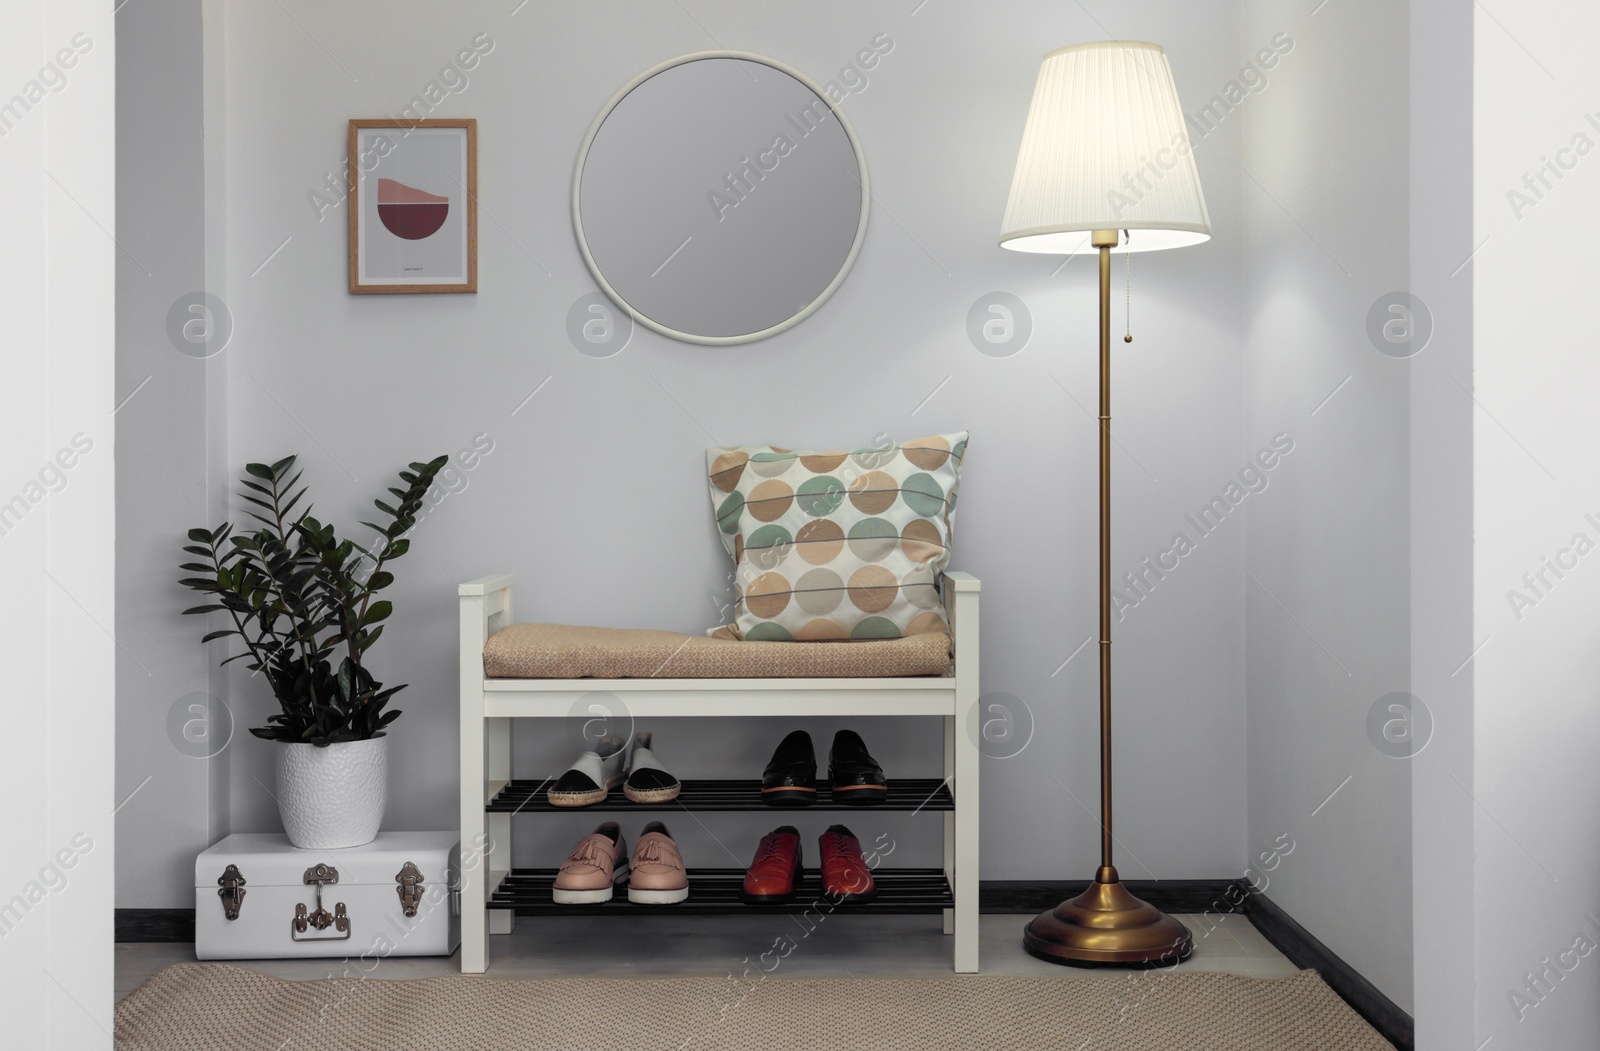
[1127, 308]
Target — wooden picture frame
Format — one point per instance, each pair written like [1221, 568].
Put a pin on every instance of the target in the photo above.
[413, 206]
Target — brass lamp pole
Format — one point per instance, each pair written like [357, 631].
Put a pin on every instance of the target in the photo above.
[1106, 923]
[1105, 150]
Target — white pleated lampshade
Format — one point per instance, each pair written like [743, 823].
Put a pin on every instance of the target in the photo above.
[1105, 148]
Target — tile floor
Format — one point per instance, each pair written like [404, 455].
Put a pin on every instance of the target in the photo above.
[686, 946]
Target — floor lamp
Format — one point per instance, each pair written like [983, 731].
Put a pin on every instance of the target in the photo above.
[1105, 163]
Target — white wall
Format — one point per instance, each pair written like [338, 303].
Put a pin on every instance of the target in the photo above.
[1327, 598]
[1536, 380]
[359, 385]
[56, 555]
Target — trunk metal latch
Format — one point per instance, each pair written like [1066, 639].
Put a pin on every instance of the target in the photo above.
[230, 888]
[320, 875]
[409, 887]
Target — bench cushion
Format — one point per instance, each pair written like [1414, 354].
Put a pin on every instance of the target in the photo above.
[561, 651]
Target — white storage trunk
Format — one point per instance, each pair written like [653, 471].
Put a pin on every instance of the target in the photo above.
[258, 897]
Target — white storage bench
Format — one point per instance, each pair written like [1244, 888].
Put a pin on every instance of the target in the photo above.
[492, 892]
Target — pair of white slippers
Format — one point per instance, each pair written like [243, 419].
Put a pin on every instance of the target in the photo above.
[612, 762]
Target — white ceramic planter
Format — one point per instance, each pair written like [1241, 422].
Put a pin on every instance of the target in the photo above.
[332, 797]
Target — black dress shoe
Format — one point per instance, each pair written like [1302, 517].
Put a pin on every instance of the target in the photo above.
[790, 779]
[856, 776]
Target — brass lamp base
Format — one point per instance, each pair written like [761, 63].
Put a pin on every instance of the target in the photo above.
[1107, 925]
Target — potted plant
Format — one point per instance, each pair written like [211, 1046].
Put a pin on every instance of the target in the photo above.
[304, 604]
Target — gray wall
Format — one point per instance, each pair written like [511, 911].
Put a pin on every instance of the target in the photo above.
[1442, 521]
[167, 435]
[1327, 597]
[358, 385]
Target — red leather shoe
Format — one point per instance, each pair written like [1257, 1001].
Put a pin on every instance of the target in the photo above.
[776, 869]
[846, 877]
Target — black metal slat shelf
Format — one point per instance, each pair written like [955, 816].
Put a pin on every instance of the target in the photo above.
[917, 793]
[716, 891]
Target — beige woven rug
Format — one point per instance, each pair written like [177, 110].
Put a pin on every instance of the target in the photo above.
[216, 1007]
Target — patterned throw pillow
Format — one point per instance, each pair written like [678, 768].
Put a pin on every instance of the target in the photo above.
[837, 545]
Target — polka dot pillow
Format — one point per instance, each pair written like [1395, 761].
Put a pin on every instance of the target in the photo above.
[837, 545]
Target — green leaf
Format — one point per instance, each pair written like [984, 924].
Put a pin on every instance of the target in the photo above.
[367, 553]
[195, 567]
[200, 536]
[224, 633]
[379, 610]
[380, 580]
[259, 470]
[282, 465]
[203, 609]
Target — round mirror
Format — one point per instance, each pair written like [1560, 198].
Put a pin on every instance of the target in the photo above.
[720, 198]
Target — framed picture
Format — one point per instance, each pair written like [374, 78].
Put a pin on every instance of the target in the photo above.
[413, 206]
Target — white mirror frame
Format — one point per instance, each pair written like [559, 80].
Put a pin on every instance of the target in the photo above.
[690, 337]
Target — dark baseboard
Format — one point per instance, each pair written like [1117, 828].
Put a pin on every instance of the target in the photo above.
[1018, 896]
[155, 925]
[1168, 895]
[1304, 950]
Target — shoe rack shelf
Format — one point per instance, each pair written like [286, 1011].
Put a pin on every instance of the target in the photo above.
[913, 794]
[492, 893]
[526, 892]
